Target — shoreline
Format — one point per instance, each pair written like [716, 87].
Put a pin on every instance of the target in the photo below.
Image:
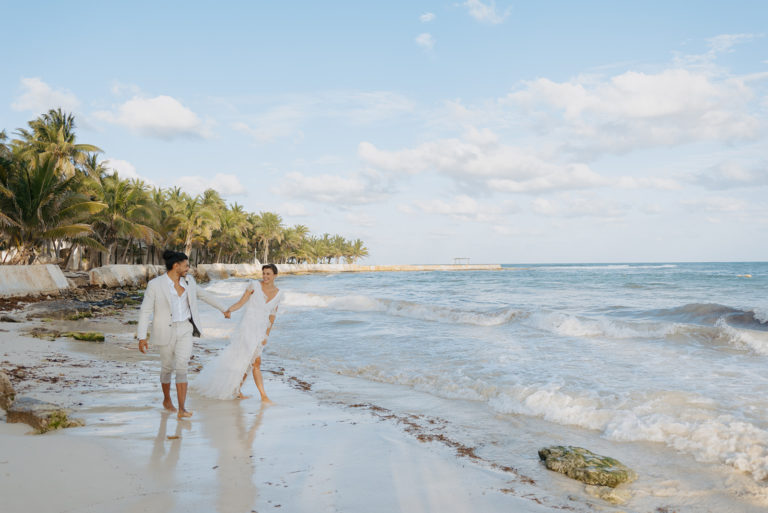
[303, 454]
[42, 280]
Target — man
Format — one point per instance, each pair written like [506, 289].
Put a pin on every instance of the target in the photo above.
[171, 300]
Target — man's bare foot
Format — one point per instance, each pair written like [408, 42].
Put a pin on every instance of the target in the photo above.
[240, 395]
[168, 405]
[184, 414]
[266, 400]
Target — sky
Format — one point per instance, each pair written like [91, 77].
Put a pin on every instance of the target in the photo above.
[504, 132]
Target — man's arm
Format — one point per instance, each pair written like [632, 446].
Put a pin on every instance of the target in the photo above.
[145, 312]
[211, 299]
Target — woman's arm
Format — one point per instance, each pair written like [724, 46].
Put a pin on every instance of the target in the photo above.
[243, 300]
[271, 322]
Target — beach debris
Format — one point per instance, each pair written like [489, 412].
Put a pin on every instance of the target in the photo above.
[585, 466]
[48, 334]
[608, 494]
[87, 336]
[7, 393]
[40, 415]
[8, 318]
[59, 309]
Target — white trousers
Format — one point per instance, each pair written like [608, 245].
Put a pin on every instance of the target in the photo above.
[174, 356]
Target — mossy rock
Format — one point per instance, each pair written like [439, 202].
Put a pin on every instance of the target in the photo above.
[7, 393]
[80, 315]
[42, 416]
[585, 466]
[88, 336]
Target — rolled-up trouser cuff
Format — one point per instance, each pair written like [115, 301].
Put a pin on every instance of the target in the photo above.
[175, 355]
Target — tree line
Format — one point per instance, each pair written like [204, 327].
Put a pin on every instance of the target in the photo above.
[60, 203]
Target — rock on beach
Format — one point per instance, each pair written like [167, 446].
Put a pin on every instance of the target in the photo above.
[42, 416]
[7, 393]
[585, 466]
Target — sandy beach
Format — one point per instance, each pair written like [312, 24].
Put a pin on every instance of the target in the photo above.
[305, 453]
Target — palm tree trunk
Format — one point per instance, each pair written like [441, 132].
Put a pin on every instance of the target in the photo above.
[127, 247]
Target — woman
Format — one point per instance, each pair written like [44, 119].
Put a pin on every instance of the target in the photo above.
[226, 373]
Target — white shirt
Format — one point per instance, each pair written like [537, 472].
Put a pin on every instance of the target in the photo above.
[180, 311]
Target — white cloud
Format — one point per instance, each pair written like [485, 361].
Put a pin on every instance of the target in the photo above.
[466, 208]
[719, 204]
[425, 41]
[125, 170]
[427, 17]
[290, 114]
[732, 174]
[571, 206]
[39, 97]
[485, 12]
[724, 43]
[360, 219]
[226, 184]
[652, 208]
[120, 89]
[479, 158]
[291, 209]
[476, 154]
[636, 110]
[337, 190]
[163, 116]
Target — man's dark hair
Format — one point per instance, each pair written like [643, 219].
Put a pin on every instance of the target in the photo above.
[270, 266]
[171, 257]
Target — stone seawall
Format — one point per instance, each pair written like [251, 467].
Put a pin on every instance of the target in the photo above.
[223, 271]
[31, 280]
[124, 275]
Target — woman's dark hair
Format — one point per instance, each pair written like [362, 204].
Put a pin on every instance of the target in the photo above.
[269, 266]
[171, 257]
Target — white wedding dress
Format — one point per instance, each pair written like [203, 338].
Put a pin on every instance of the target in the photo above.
[221, 377]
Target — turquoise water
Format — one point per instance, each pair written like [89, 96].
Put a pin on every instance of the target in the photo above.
[655, 361]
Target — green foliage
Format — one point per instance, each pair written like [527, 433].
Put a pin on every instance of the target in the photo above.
[56, 197]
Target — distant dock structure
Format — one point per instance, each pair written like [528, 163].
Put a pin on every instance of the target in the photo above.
[461, 261]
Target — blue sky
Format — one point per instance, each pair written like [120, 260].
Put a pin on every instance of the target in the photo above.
[505, 132]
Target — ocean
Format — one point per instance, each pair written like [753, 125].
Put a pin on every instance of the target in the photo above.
[662, 366]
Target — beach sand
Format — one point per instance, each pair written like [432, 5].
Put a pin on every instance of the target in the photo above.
[302, 454]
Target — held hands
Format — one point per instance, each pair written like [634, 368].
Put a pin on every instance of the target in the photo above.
[143, 345]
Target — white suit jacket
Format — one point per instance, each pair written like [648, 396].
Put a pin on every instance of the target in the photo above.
[157, 307]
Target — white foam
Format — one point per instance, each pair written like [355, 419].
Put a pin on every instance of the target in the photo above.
[358, 303]
[756, 341]
[574, 326]
[605, 267]
[687, 424]
[761, 314]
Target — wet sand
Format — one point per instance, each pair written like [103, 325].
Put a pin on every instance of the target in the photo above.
[301, 454]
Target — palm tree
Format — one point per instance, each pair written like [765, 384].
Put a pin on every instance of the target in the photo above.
[42, 208]
[231, 235]
[196, 221]
[293, 238]
[130, 214]
[337, 247]
[269, 227]
[357, 250]
[52, 136]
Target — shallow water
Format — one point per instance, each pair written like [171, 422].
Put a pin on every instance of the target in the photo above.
[663, 365]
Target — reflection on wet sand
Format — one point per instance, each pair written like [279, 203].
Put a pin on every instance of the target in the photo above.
[231, 431]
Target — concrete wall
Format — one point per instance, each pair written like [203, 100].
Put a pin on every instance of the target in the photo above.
[222, 271]
[122, 275]
[30, 280]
